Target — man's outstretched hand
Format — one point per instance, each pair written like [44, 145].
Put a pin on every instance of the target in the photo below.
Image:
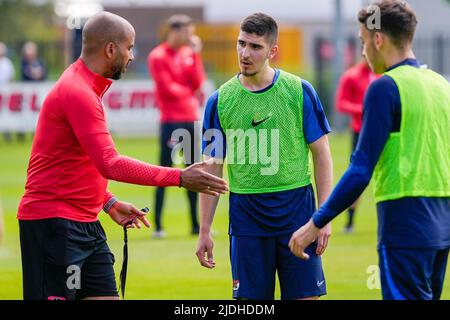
[124, 212]
[195, 178]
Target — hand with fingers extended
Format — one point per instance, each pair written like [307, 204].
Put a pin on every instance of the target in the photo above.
[204, 251]
[302, 238]
[195, 178]
[123, 213]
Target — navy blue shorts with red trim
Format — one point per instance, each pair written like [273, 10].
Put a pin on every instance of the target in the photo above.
[256, 260]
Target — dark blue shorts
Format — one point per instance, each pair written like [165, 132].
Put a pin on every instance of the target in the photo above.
[412, 274]
[256, 260]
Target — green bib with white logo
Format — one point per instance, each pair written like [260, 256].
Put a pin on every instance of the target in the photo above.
[415, 162]
[266, 147]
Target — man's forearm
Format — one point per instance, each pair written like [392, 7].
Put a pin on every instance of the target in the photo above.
[324, 178]
[323, 169]
[348, 189]
[208, 204]
[352, 108]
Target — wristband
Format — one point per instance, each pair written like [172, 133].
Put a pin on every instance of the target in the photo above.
[109, 204]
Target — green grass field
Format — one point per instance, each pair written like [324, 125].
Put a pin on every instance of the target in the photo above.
[168, 269]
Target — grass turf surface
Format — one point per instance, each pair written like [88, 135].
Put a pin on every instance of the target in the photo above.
[168, 269]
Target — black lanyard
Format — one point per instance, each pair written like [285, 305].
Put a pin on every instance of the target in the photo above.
[123, 272]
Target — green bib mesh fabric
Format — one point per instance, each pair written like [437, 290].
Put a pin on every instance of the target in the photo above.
[416, 161]
[266, 147]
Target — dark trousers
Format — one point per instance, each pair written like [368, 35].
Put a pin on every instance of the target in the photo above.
[8, 136]
[351, 210]
[167, 144]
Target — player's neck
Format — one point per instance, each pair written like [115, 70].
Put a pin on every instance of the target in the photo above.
[395, 57]
[259, 81]
[93, 65]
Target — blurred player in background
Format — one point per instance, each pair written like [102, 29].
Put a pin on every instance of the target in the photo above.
[6, 66]
[269, 199]
[6, 76]
[177, 69]
[349, 99]
[32, 67]
[405, 145]
[72, 158]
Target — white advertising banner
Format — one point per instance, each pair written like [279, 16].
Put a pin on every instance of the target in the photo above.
[130, 106]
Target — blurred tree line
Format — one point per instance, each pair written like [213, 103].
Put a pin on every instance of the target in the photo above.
[28, 20]
[22, 20]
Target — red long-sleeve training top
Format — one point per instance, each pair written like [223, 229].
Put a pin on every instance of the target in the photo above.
[178, 74]
[73, 154]
[351, 90]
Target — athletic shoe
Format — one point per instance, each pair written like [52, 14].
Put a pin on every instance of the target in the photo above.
[348, 229]
[161, 234]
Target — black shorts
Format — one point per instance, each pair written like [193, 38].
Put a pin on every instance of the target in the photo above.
[64, 259]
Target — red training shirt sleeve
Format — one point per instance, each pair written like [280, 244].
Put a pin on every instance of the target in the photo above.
[86, 117]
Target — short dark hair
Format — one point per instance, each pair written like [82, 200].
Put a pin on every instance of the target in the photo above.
[178, 21]
[397, 20]
[262, 25]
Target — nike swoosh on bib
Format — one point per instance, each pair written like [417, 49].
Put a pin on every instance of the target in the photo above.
[257, 123]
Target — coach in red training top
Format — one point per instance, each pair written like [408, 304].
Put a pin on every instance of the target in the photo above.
[72, 158]
[177, 69]
[349, 99]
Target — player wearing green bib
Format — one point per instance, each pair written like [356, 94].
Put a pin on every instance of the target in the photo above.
[405, 146]
[267, 123]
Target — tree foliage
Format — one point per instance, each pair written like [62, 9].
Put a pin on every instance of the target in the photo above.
[23, 20]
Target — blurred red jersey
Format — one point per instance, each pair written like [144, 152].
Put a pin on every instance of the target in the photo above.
[178, 75]
[351, 90]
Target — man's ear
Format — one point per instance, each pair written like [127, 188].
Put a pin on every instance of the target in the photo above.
[273, 51]
[378, 40]
[110, 49]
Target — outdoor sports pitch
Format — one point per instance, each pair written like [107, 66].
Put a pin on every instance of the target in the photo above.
[168, 269]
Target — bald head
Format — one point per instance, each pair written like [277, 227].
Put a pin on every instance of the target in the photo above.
[103, 28]
[108, 42]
